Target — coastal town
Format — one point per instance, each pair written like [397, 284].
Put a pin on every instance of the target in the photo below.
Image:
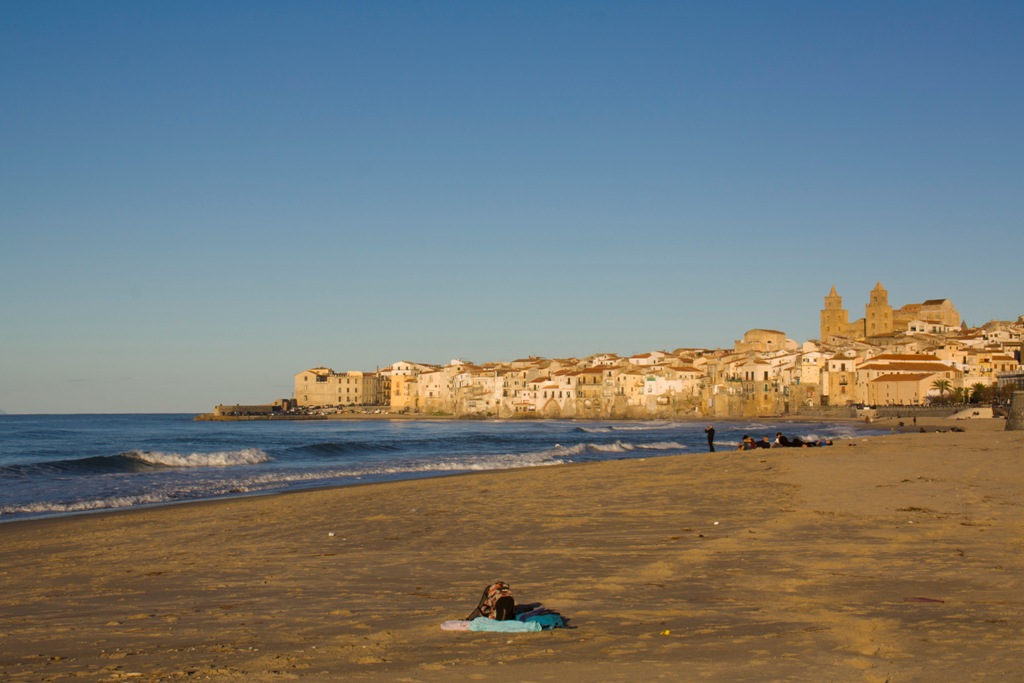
[917, 355]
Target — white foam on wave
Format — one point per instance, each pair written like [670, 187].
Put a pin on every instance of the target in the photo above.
[246, 456]
[85, 505]
[661, 446]
[170, 494]
[618, 447]
[646, 427]
[270, 479]
[470, 466]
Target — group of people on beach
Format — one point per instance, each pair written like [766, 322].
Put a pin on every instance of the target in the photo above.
[781, 441]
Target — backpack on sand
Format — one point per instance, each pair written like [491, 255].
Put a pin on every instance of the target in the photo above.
[496, 603]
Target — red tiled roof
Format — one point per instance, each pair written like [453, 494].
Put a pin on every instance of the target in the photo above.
[903, 378]
[908, 367]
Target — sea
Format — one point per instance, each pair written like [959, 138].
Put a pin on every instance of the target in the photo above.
[55, 465]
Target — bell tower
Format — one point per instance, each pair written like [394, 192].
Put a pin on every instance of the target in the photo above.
[878, 313]
[835, 320]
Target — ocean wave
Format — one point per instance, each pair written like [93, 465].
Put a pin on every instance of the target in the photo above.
[246, 456]
[595, 430]
[134, 461]
[609, 429]
[87, 505]
[616, 447]
[662, 446]
[475, 465]
[344, 448]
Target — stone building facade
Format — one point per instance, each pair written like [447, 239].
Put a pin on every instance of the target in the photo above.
[323, 387]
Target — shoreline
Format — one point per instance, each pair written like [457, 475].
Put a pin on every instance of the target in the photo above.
[723, 446]
[895, 557]
[210, 417]
[784, 419]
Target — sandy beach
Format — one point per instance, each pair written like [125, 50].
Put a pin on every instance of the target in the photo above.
[891, 558]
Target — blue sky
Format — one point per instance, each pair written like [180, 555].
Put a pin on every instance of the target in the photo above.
[198, 200]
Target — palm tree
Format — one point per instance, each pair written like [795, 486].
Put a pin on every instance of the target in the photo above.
[979, 392]
[942, 385]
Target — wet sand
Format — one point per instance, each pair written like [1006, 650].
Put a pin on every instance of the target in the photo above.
[892, 558]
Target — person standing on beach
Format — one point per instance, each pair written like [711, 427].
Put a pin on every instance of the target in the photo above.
[710, 431]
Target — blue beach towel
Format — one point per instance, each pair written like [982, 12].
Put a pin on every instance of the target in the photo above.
[512, 626]
[547, 621]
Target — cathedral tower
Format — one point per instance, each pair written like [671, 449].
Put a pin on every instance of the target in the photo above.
[835, 320]
[878, 313]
